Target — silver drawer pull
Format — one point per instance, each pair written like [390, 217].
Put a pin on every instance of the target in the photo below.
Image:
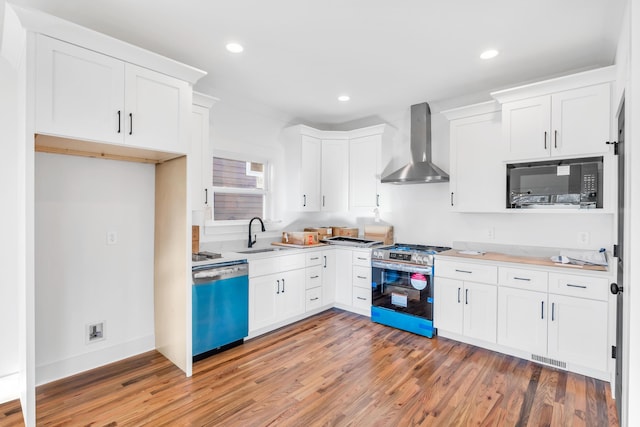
[360, 298]
[464, 271]
[314, 258]
[576, 286]
[314, 299]
[362, 259]
[314, 277]
[361, 277]
[526, 279]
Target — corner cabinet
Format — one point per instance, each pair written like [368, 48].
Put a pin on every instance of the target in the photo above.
[82, 94]
[477, 179]
[565, 117]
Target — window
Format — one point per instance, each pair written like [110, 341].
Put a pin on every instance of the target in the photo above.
[239, 189]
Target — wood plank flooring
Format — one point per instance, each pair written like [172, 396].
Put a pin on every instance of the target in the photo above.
[333, 369]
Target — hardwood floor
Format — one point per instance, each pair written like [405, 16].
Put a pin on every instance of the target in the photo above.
[336, 368]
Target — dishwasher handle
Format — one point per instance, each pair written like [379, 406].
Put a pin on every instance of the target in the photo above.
[213, 273]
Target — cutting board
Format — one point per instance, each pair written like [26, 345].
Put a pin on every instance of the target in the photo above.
[291, 245]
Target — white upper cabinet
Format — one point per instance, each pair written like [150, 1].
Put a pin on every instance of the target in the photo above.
[564, 117]
[200, 160]
[82, 94]
[334, 175]
[364, 172]
[477, 178]
[310, 158]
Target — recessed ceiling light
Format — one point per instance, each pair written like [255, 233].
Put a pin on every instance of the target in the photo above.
[234, 47]
[488, 54]
[344, 98]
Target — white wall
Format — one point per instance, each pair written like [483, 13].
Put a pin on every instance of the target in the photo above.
[9, 363]
[81, 279]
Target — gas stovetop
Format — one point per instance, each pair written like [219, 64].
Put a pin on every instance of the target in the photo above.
[408, 253]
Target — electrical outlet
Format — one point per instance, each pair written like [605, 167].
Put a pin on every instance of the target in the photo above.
[112, 237]
[95, 332]
[491, 233]
[584, 237]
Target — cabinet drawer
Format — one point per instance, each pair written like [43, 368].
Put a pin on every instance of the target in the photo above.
[579, 286]
[465, 271]
[531, 280]
[362, 277]
[313, 258]
[314, 277]
[313, 299]
[362, 258]
[276, 264]
[362, 298]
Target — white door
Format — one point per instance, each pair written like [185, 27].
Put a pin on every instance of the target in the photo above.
[522, 320]
[262, 302]
[480, 311]
[335, 175]
[291, 300]
[581, 121]
[448, 302]
[344, 286]
[310, 149]
[157, 111]
[79, 93]
[364, 172]
[478, 173]
[328, 277]
[526, 128]
[578, 331]
[198, 155]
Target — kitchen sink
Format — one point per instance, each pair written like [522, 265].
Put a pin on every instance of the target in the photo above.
[261, 250]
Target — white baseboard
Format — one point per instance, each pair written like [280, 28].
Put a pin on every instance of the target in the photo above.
[9, 388]
[84, 362]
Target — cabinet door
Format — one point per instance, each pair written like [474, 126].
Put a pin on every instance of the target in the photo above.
[526, 128]
[310, 158]
[157, 110]
[344, 287]
[578, 331]
[477, 171]
[328, 277]
[522, 320]
[79, 93]
[335, 175]
[199, 156]
[364, 172]
[581, 121]
[291, 299]
[480, 311]
[263, 294]
[448, 302]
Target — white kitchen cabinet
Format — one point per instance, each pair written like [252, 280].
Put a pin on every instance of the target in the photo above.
[320, 279]
[328, 277]
[568, 123]
[477, 178]
[578, 331]
[364, 172]
[522, 319]
[200, 157]
[276, 297]
[82, 94]
[344, 287]
[466, 308]
[334, 175]
[309, 194]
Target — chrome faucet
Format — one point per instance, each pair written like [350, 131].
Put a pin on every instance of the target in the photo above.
[251, 242]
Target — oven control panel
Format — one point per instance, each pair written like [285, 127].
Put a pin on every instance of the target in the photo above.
[409, 257]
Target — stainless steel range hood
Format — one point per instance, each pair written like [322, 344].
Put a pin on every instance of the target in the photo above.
[421, 169]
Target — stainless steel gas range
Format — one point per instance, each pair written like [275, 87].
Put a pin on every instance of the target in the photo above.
[402, 287]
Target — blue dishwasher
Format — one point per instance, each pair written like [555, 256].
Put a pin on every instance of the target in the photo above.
[220, 307]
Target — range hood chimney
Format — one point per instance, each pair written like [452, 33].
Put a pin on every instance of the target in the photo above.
[421, 169]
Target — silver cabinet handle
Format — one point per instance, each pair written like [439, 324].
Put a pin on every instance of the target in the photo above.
[119, 121]
[323, 201]
[553, 311]
[130, 124]
[545, 140]
[314, 299]
[458, 295]
[314, 258]
[361, 259]
[571, 285]
[464, 271]
[283, 286]
[555, 139]
[360, 298]
[526, 279]
[377, 200]
[304, 200]
[361, 277]
[278, 286]
[452, 198]
[325, 261]
[314, 277]
[466, 296]
[542, 310]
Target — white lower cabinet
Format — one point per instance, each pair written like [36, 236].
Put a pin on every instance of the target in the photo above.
[277, 290]
[466, 308]
[344, 287]
[522, 319]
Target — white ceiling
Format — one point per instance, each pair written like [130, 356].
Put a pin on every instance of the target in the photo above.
[386, 54]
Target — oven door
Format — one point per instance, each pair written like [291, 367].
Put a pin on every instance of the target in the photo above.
[403, 288]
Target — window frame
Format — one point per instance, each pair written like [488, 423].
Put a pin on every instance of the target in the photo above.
[265, 192]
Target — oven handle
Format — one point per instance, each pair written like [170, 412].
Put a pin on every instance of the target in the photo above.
[423, 269]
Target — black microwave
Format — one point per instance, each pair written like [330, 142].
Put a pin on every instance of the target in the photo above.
[569, 183]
